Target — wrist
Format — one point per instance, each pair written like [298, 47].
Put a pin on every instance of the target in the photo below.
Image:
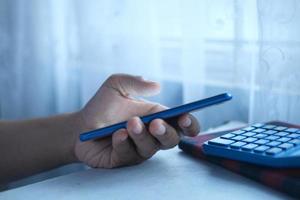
[74, 121]
[79, 124]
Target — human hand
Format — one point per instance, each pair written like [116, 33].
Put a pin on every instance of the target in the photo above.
[113, 103]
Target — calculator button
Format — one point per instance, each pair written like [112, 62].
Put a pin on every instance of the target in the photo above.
[249, 134]
[220, 142]
[261, 149]
[270, 132]
[239, 137]
[273, 151]
[249, 147]
[238, 132]
[262, 141]
[260, 135]
[249, 128]
[259, 130]
[273, 143]
[227, 136]
[280, 128]
[269, 126]
[281, 134]
[284, 139]
[295, 141]
[258, 125]
[286, 145]
[272, 137]
[292, 130]
[250, 139]
[293, 135]
[237, 145]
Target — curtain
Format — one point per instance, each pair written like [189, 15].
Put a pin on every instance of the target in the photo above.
[55, 54]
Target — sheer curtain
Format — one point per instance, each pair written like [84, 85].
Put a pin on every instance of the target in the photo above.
[55, 54]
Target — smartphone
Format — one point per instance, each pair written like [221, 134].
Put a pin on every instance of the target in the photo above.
[165, 115]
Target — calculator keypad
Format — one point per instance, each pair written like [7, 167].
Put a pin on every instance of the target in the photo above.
[260, 138]
[237, 145]
[273, 151]
[249, 146]
[261, 149]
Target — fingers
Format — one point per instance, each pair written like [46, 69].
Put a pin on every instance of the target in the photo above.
[125, 153]
[164, 133]
[136, 144]
[132, 85]
[189, 125]
[146, 145]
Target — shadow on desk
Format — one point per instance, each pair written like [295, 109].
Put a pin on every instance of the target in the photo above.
[169, 174]
[60, 171]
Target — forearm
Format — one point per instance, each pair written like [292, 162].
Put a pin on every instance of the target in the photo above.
[32, 146]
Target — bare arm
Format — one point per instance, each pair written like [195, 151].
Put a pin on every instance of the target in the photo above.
[32, 146]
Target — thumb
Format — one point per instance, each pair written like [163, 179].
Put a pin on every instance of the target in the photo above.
[132, 85]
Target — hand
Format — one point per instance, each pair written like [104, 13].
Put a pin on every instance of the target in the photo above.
[114, 103]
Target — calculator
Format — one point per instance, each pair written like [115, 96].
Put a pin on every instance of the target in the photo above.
[262, 144]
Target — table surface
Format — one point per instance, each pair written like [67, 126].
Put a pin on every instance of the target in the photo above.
[170, 174]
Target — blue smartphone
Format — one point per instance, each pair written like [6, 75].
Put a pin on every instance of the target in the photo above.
[165, 115]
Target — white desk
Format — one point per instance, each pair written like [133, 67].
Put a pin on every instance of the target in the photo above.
[169, 174]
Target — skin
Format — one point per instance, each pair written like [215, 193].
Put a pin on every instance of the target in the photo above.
[32, 146]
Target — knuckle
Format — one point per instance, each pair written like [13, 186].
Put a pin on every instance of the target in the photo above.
[135, 161]
[141, 140]
[199, 126]
[156, 108]
[171, 141]
[113, 78]
[195, 129]
[148, 154]
[168, 146]
[126, 159]
[195, 123]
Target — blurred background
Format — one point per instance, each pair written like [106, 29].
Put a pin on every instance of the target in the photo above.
[55, 54]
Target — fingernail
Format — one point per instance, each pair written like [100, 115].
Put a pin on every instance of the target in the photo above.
[137, 129]
[147, 80]
[161, 130]
[186, 122]
[123, 136]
